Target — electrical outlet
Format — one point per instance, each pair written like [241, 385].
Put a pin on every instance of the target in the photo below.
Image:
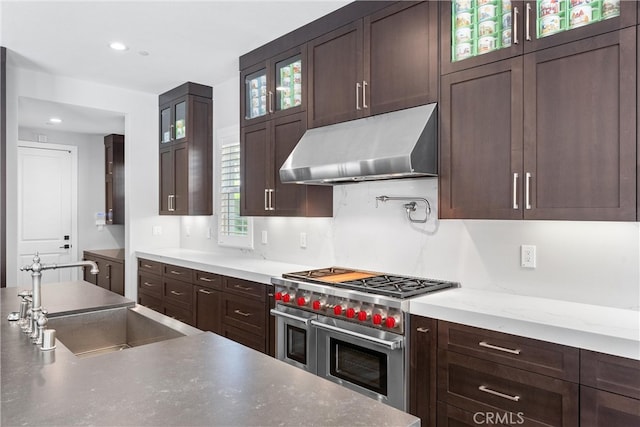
[528, 256]
[265, 237]
[303, 240]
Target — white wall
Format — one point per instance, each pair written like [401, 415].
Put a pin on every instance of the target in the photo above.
[591, 262]
[91, 197]
[141, 151]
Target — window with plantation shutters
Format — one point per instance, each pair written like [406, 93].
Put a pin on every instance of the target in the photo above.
[233, 229]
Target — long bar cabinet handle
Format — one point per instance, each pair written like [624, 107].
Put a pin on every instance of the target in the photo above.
[204, 291]
[527, 188]
[271, 208]
[177, 293]
[175, 272]
[495, 347]
[270, 102]
[151, 285]
[515, 190]
[266, 199]
[422, 330]
[364, 94]
[358, 96]
[514, 19]
[499, 394]
[243, 288]
[526, 23]
[205, 279]
[242, 313]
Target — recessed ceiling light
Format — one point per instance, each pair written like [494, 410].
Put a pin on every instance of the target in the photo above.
[118, 46]
[55, 120]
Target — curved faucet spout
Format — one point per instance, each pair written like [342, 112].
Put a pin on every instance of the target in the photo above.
[93, 265]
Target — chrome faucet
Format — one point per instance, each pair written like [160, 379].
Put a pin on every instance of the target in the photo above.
[38, 316]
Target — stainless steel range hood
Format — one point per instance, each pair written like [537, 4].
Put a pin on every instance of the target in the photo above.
[399, 144]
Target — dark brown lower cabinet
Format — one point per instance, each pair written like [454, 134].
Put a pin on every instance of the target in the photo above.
[111, 269]
[422, 369]
[603, 409]
[208, 304]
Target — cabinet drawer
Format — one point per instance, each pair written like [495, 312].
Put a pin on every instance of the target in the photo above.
[601, 408]
[532, 355]
[179, 313]
[611, 373]
[208, 280]
[243, 313]
[150, 302]
[175, 272]
[479, 385]
[178, 293]
[152, 267]
[245, 287]
[253, 341]
[150, 284]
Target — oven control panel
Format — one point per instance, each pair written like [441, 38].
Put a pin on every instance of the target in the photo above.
[368, 314]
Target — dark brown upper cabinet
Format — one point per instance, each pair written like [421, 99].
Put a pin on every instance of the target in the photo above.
[477, 33]
[383, 62]
[550, 142]
[274, 88]
[186, 138]
[264, 147]
[114, 178]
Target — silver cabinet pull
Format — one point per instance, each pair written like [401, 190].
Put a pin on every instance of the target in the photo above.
[422, 330]
[495, 347]
[527, 186]
[147, 266]
[358, 96]
[243, 288]
[364, 94]
[175, 272]
[205, 279]
[177, 293]
[515, 190]
[526, 23]
[266, 199]
[514, 19]
[497, 393]
[151, 285]
[271, 208]
[242, 313]
[270, 102]
[170, 199]
[204, 291]
[171, 133]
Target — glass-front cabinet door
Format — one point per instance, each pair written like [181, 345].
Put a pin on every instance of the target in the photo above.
[173, 121]
[275, 87]
[478, 32]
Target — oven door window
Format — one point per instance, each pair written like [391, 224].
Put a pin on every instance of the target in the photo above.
[297, 344]
[359, 365]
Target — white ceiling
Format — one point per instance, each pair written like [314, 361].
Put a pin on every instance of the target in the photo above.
[197, 41]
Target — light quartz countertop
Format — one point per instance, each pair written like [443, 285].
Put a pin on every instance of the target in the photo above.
[604, 329]
[197, 380]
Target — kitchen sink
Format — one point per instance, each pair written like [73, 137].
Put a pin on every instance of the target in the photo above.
[100, 332]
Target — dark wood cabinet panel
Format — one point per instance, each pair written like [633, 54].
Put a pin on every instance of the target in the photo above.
[580, 129]
[610, 373]
[151, 267]
[178, 273]
[111, 269]
[603, 409]
[335, 76]
[423, 369]
[476, 385]
[264, 148]
[114, 178]
[542, 357]
[186, 138]
[182, 314]
[151, 302]
[481, 142]
[208, 305]
[400, 56]
[243, 337]
[178, 293]
[150, 284]
[243, 313]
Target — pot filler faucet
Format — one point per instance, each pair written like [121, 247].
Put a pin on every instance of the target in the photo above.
[34, 319]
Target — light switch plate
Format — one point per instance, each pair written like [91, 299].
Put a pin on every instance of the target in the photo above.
[528, 256]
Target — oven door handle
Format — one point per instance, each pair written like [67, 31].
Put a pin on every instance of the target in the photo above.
[392, 345]
[289, 316]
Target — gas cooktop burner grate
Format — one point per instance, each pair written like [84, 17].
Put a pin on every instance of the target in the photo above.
[321, 272]
[395, 286]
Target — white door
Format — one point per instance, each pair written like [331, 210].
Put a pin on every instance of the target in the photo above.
[47, 189]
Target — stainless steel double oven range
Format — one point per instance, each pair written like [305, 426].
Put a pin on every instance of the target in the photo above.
[348, 326]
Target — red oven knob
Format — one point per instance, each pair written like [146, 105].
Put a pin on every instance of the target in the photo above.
[316, 305]
[390, 322]
[337, 310]
[351, 313]
[302, 301]
[377, 319]
[278, 296]
[286, 297]
[362, 316]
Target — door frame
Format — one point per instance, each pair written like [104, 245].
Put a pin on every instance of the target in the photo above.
[73, 150]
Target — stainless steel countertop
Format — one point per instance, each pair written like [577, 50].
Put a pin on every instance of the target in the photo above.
[202, 379]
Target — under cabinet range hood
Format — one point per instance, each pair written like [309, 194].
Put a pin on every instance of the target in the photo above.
[400, 144]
